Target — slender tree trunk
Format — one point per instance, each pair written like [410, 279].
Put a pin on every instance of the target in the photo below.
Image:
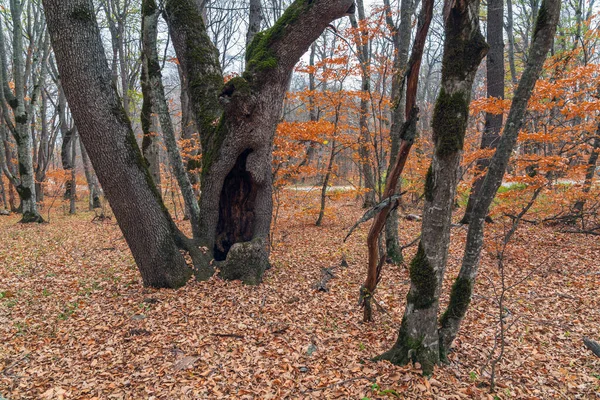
[361, 38]
[254, 20]
[495, 89]
[408, 133]
[326, 184]
[462, 289]
[464, 48]
[589, 173]
[73, 198]
[94, 197]
[401, 40]
[511, 41]
[154, 95]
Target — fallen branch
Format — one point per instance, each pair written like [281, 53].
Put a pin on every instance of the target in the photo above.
[372, 212]
[328, 274]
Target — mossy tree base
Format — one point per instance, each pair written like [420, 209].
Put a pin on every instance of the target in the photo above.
[246, 261]
[30, 217]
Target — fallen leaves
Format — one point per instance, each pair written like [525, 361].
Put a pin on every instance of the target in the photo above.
[72, 324]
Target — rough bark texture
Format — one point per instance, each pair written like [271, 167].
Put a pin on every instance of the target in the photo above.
[495, 88]
[106, 132]
[460, 296]
[238, 120]
[464, 48]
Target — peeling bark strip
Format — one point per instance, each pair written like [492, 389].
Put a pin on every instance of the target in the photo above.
[545, 28]
[407, 136]
[237, 120]
[464, 48]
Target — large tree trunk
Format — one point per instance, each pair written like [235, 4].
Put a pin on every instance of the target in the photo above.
[495, 88]
[464, 48]
[104, 127]
[238, 124]
[401, 40]
[460, 296]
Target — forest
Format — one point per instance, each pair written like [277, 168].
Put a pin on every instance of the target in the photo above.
[299, 199]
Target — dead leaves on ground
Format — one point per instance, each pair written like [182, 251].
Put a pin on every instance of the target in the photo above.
[75, 322]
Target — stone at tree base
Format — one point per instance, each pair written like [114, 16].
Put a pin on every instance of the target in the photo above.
[246, 261]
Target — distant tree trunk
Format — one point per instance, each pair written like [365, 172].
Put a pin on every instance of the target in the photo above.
[189, 132]
[511, 41]
[462, 289]
[401, 40]
[495, 88]
[590, 172]
[254, 20]
[90, 177]
[73, 198]
[329, 170]
[25, 185]
[361, 38]
[464, 48]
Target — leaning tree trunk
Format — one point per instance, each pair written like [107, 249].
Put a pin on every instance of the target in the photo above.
[154, 99]
[401, 41]
[460, 296]
[238, 122]
[495, 89]
[104, 127]
[464, 48]
[408, 134]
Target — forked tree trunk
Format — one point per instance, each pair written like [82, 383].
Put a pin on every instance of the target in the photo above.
[495, 88]
[462, 289]
[464, 48]
[238, 124]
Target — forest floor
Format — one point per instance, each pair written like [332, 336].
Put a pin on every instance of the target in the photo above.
[76, 323]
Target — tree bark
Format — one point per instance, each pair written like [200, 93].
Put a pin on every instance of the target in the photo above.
[401, 40]
[90, 177]
[255, 18]
[104, 127]
[361, 38]
[238, 122]
[461, 294]
[154, 98]
[495, 89]
[464, 48]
